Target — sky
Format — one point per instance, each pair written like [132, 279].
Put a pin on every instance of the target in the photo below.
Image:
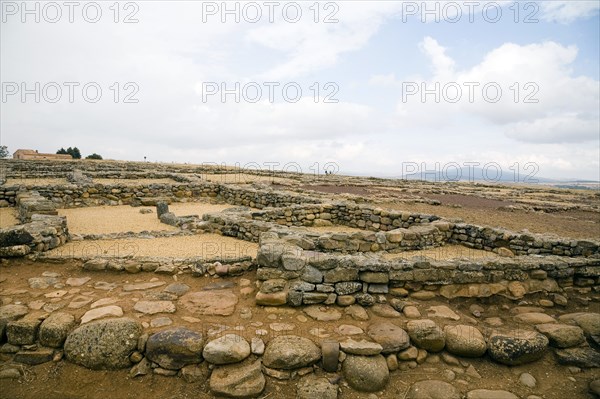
[381, 88]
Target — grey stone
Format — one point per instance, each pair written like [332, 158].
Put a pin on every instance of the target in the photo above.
[330, 353]
[230, 348]
[391, 337]
[366, 373]
[584, 357]
[290, 352]
[517, 347]
[54, 330]
[562, 335]
[313, 387]
[244, 380]
[362, 347]
[490, 393]
[9, 313]
[426, 334]
[38, 356]
[463, 340]
[103, 344]
[23, 331]
[433, 389]
[174, 348]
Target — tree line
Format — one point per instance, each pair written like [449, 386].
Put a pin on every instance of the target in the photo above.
[76, 154]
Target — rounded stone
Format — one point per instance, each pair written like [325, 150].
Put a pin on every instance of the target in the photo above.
[391, 337]
[426, 335]
[517, 347]
[366, 373]
[463, 340]
[289, 352]
[103, 344]
[175, 347]
[230, 348]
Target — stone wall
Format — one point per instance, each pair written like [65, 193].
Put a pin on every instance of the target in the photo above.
[491, 239]
[73, 196]
[43, 233]
[294, 276]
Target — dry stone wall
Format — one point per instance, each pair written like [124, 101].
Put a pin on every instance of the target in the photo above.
[294, 276]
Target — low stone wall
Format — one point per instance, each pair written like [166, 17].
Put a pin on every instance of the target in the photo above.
[343, 213]
[294, 276]
[30, 203]
[43, 233]
[74, 196]
[491, 239]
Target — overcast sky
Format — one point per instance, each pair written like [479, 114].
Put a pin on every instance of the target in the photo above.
[505, 83]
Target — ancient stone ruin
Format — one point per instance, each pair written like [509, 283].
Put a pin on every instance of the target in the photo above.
[325, 302]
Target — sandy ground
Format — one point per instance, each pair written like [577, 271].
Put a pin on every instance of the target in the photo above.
[123, 218]
[207, 246]
[572, 224]
[35, 182]
[8, 217]
[444, 253]
[134, 182]
[111, 219]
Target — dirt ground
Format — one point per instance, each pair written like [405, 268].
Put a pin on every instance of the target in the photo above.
[124, 218]
[8, 217]
[207, 246]
[571, 224]
[494, 212]
[65, 380]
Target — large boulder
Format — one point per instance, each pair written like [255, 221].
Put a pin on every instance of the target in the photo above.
[103, 344]
[244, 380]
[463, 340]
[432, 389]
[289, 352]
[391, 337]
[366, 373]
[426, 335]
[517, 347]
[230, 348]
[174, 348]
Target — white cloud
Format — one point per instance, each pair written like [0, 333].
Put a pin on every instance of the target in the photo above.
[539, 99]
[568, 11]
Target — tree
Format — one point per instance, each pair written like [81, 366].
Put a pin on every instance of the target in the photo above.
[94, 156]
[3, 151]
[75, 153]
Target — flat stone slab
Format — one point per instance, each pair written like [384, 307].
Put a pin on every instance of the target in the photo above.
[77, 282]
[100, 313]
[362, 347]
[153, 307]
[217, 302]
[143, 286]
[323, 313]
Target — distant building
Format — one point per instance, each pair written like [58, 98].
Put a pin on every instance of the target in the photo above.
[33, 154]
